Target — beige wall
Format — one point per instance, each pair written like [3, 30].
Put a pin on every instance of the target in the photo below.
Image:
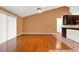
[44, 22]
[19, 20]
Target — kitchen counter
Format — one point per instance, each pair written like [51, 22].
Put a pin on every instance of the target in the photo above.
[71, 26]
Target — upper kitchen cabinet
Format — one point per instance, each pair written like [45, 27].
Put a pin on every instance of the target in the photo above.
[70, 19]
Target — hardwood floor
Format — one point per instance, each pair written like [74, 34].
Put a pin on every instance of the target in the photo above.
[34, 43]
[39, 43]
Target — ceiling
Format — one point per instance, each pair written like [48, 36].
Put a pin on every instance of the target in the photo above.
[30, 10]
[27, 10]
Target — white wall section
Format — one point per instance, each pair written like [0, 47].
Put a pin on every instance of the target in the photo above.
[59, 24]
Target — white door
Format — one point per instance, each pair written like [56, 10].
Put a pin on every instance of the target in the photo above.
[0, 29]
[11, 27]
[7, 31]
[3, 32]
[11, 33]
[3, 28]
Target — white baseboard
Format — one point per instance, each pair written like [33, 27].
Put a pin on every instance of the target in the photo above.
[39, 33]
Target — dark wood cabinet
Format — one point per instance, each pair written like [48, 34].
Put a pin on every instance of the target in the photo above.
[70, 19]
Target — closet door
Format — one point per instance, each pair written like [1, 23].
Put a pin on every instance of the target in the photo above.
[3, 32]
[0, 29]
[11, 33]
[11, 27]
[0, 32]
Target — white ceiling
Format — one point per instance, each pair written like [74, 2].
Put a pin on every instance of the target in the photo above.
[30, 10]
[27, 10]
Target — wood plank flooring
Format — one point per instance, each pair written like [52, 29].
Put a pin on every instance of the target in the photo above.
[33, 43]
[39, 43]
